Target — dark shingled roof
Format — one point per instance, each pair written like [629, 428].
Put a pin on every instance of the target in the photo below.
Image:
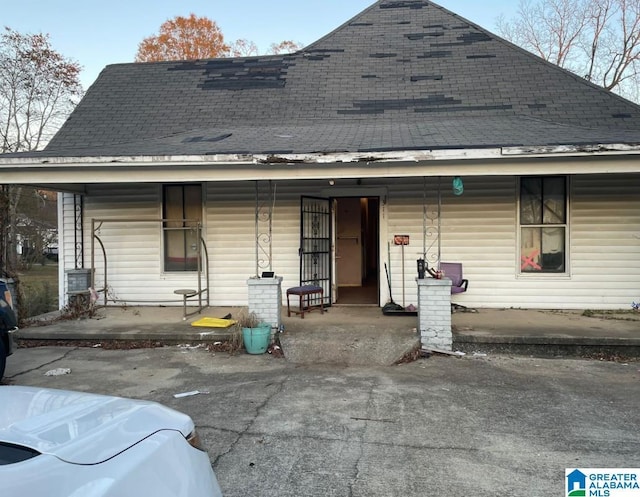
[402, 75]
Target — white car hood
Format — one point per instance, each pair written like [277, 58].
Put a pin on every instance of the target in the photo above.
[81, 428]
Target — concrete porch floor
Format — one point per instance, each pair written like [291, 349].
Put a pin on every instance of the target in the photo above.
[363, 335]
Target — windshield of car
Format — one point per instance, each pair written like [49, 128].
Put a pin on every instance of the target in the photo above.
[10, 454]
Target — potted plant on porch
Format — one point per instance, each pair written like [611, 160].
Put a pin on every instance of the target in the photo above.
[256, 335]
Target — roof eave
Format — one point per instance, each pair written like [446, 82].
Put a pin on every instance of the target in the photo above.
[541, 151]
[508, 161]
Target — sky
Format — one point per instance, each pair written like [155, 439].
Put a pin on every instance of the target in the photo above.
[98, 33]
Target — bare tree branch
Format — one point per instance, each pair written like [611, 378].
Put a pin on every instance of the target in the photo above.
[286, 46]
[243, 48]
[38, 89]
[596, 39]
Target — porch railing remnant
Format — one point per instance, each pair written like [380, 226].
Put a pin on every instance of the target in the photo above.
[187, 225]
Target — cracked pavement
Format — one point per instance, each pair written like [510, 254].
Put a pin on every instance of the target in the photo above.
[440, 426]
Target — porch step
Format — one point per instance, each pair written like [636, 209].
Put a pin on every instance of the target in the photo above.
[307, 342]
[549, 346]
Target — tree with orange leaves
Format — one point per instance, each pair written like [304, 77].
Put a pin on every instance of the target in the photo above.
[184, 38]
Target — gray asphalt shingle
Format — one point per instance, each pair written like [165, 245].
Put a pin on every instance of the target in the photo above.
[401, 75]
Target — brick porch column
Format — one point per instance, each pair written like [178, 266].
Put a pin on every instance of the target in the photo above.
[265, 300]
[434, 313]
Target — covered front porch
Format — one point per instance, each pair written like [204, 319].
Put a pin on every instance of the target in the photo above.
[349, 335]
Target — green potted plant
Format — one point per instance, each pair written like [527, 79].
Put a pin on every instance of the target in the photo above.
[256, 335]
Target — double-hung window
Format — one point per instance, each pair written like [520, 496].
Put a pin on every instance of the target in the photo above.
[543, 224]
[182, 212]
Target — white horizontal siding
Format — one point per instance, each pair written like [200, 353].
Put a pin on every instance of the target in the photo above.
[605, 239]
[478, 228]
[603, 249]
[133, 249]
[231, 236]
[230, 240]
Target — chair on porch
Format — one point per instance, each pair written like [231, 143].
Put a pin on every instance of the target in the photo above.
[306, 293]
[453, 271]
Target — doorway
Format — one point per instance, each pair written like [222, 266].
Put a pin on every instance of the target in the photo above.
[357, 238]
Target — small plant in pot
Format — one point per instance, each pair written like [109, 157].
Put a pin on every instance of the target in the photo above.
[256, 335]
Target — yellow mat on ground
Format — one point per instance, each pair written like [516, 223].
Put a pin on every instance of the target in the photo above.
[214, 322]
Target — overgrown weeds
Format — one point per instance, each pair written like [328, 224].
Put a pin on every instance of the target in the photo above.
[79, 306]
[619, 314]
[39, 298]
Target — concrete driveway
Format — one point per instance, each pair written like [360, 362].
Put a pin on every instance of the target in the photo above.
[441, 426]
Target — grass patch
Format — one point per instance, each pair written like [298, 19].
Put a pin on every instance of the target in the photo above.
[38, 274]
[39, 290]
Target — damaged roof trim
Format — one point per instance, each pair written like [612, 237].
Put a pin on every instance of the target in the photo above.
[572, 149]
[164, 172]
[499, 153]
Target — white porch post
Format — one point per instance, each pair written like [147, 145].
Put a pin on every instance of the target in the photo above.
[265, 300]
[434, 313]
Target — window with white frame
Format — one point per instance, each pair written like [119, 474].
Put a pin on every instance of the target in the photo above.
[182, 211]
[543, 224]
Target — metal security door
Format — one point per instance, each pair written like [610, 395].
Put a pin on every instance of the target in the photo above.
[315, 245]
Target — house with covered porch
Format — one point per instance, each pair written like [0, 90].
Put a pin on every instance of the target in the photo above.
[407, 123]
